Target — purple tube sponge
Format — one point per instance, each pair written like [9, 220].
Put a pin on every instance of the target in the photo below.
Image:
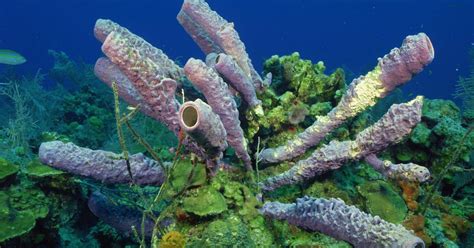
[214, 34]
[152, 74]
[408, 172]
[392, 70]
[334, 218]
[166, 66]
[205, 127]
[108, 73]
[147, 77]
[391, 128]
[121, 218]
[219, 98]
[236, 77]
[103, 166]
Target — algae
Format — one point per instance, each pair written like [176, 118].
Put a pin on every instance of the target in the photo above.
[204, 201]
[7, 169]
[381, 199]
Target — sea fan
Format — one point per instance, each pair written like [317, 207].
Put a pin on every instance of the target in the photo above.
[465, 90]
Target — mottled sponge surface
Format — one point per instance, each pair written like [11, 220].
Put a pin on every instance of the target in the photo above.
[103, 166]
[109, 73]
[214, 34]
[396, 124]
[333, 217]
[222, 102]
[103, 28]
[148, 77]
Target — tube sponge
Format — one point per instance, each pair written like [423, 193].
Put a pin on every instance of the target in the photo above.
[205, 127]
[214, 34]
[222, 103]
[120, 217]
[103, 166]
[392, 70]
[334, 218]
[233, 74]
[409, 172]
[108, 73]
[104, 28]
[148, 77]
[391, 128]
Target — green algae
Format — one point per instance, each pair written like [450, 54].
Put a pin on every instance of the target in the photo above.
[327, 189]
[37, 169]
[421, 135]
[381, 199]
[228, 232]
[19, 209]
[13, 223]
[306, 79]
[299, 92]
[436, 109]
[204, 201]
[291, 236]
[7, 169]
[185, 174]
[320, 109]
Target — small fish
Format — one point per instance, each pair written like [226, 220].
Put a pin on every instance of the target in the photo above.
[10, 57]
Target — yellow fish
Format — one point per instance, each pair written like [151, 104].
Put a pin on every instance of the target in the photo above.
[10, 57]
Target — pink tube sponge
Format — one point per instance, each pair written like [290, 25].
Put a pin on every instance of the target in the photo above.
[236, 77]
[407, 172]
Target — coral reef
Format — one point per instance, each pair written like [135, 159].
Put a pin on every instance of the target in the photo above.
[197, 195]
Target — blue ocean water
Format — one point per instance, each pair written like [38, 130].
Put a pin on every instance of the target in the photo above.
[340, 33]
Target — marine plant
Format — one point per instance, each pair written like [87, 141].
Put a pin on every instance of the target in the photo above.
[149, 82]
[465, 90]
